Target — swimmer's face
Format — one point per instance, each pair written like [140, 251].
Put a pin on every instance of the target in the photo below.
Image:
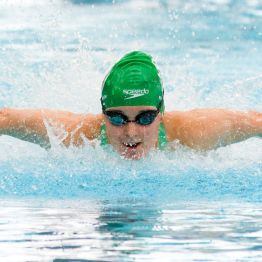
[132, 140]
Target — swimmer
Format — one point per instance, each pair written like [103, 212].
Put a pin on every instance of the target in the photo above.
[133, 118]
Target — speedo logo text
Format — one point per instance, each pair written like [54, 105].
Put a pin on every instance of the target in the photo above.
[133, 93]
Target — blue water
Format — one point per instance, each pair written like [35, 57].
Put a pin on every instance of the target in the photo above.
[88, 203]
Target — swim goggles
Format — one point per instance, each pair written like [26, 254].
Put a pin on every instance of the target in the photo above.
[117, 118]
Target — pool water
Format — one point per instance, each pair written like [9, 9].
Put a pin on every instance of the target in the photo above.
[104, 231]
[88, 204]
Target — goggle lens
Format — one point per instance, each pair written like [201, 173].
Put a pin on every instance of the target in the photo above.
[146, 118]
[117, 119]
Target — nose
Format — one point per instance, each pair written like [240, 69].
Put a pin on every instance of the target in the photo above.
[131, 129]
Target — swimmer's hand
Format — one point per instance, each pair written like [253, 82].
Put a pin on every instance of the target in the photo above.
[31, 125]
[205, 129]
[23, 124]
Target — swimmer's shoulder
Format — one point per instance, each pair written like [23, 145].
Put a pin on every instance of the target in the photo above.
[173, 121]
[183, 125]
[91, 125]
[78, 127]
[83, 127]
[194, 128]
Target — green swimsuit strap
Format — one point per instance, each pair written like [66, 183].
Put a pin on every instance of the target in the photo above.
[162, 141]
[103, 137]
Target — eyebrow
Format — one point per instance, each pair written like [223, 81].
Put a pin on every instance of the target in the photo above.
[139, 112]
[146, 110]
[115, 111]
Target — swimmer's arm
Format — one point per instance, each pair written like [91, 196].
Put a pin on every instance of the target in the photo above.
[30, 125]
[205, 129]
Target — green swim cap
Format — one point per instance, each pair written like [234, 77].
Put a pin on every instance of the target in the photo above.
[133, 81]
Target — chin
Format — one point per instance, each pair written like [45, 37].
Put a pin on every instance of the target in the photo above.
[133, 154]
[133, 157]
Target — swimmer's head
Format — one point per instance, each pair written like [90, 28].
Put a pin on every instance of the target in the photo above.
[132, 97]
[133, 81]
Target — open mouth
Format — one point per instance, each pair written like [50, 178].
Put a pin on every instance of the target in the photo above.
[132, 145]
